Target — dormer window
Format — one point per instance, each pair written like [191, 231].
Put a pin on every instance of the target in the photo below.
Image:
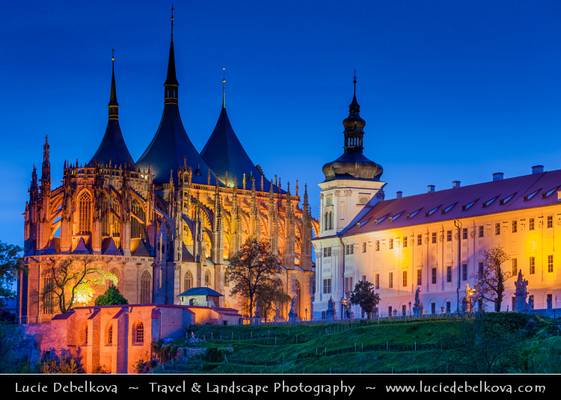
[532, 195]
[449, 208]
[469, 205]
[414, 213]
[490, 201]
[508, 198]
[432, 211]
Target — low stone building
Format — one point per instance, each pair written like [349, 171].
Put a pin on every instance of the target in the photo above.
[116, 338]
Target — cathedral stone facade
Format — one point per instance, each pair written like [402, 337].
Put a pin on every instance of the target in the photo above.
[426, 251]
[165, 223]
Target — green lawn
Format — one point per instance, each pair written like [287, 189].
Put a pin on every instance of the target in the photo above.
[523, 344]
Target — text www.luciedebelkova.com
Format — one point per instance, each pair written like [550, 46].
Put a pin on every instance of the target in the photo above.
[464, 387]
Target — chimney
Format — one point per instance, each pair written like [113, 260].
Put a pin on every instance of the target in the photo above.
[455, 184]
[399, 194]
[498, 176]
[537, 169]
[430, 188]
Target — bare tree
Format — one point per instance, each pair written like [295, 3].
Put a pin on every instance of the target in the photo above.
[490, 285]
[251, 270]
[69, 277]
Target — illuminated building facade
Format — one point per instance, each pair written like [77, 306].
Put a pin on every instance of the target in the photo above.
[434, 241]
[167, 222]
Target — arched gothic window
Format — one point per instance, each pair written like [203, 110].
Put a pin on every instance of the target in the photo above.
[138, 215]
[109, 336]
[145, 288]
[85, 213]
[138, 333]
[207, 278]
[188, 281]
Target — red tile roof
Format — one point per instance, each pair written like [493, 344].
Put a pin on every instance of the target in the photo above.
[522, 192]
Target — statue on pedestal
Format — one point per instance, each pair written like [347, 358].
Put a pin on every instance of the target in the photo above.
[330, 313]
[520, 294]
[418, 306]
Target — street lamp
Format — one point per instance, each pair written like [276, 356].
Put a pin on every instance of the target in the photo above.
[458, 226]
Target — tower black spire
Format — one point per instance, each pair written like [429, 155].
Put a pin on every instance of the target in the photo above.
[171, 84]
[354, 125]
[113, 104]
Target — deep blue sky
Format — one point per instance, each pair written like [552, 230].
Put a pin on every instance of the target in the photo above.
[449, 89]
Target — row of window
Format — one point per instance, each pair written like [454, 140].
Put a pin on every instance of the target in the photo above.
[434, 275]
[465, 234]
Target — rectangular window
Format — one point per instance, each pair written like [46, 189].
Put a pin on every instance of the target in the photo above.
[464, 233]
[448, 274]
[448, 307]
[514, 226]
[419, 240]
[364, 247]
[390, 280]
[480, 271]
[433, 237]
[419, 277]
[464, 272]
[433, 276]
[531, 224]
[348, 284]
[364, 278]
[377, 245]
[497, 228]
[327, 286]
[514, 266]
[390, 244]
[481, 231]
[390, 311]
[550, 221]
[433, 308]
[532, 265]
[377, 281]
[404, 278]
[403, 310]
[327, 251]
[448, 236]
[550, 263]
[404, 241]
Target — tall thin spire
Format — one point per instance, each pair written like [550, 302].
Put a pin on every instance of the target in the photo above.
[113, 104]
[224, 81]
[171, 84]
[46, 166]
[354, 107]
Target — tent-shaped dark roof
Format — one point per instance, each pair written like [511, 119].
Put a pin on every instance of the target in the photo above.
[112, 148]
[225, 154]
[201, 291]
[171, 148]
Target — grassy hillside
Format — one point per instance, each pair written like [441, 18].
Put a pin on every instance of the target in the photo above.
[491, 343]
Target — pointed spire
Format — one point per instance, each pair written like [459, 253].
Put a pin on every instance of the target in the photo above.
[171, 84]
[46, 167]
[305, 194]
[224, 81]
[113, 104]
[354, 107]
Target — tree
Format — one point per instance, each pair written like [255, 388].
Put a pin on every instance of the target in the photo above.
[270, 294]
[10, 263]
[111, 297]
[490, 285]
[252, 269]
[364, 295]
[73, 281]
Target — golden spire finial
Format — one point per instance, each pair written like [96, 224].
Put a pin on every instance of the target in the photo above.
[224, 81]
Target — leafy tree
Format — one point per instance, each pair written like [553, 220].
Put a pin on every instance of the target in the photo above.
[111, 297]
[17, 349]
[73, 281]
[365, 295]
[490, 285]
[10, 263]
[252, 269]
[271, 294]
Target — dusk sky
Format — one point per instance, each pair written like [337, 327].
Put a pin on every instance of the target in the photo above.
[450, 90]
